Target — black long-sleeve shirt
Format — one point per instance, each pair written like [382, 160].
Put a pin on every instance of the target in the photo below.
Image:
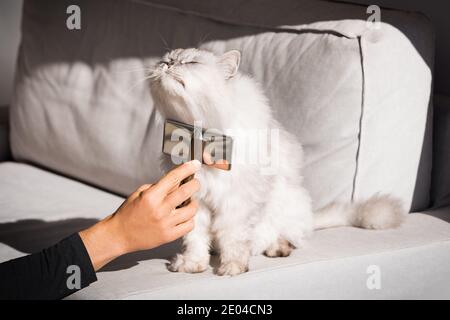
[53, 273]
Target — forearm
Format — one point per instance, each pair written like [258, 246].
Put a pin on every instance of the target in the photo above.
[65, 267]
[46, 274]
[104, 242]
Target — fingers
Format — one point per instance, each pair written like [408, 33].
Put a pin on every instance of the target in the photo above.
[184, 214]
[174, 177]
[183, 193]
[139, 191]
[142, 188]
[183, 228]
[183, 219]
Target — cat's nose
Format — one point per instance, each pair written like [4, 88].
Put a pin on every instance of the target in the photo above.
[164, 66]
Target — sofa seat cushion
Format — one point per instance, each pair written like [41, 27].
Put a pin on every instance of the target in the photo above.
[38, 208]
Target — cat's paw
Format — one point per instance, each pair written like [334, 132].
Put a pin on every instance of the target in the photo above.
[232, 268]
[282, 248]
[183, 263]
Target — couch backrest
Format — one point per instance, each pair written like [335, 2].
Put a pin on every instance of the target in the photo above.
[440, 188]
[357, 97]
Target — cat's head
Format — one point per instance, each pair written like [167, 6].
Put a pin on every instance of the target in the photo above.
[191, 84]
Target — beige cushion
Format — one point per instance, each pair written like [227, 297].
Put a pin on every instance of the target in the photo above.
[356, 97]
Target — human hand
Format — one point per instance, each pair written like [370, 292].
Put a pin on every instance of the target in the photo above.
[147, 219]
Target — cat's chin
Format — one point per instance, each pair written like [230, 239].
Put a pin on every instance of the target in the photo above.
[171, 85]
[167, 89]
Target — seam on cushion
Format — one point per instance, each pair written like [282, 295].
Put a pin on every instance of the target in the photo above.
[363, 89]
[242, 24]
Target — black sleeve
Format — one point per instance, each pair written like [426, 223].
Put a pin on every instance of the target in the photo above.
[53, 273]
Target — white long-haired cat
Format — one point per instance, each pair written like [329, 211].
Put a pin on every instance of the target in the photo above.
[246, 210]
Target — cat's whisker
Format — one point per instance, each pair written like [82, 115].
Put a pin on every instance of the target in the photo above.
[139, 82]
[134, 70]
[177, 76]
[203, 39]
[166, 45]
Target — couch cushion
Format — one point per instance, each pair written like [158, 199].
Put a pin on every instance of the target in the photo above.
[37, 208]
[29, 193]
[356, 97]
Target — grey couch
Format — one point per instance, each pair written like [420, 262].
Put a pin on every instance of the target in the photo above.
[83, 133]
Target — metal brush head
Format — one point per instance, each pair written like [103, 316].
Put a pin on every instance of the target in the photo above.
[184, 142]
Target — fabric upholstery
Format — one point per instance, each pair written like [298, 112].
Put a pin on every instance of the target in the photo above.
[37, 208]
[356, 97]
[441, 148]
[5, 153]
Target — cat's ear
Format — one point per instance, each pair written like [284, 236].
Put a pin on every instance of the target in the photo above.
[229, 62]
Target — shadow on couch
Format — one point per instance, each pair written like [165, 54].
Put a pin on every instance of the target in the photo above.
[31, 236]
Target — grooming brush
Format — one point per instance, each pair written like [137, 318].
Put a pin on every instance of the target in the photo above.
[184, 142]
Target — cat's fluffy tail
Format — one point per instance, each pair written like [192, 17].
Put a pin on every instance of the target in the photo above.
[378, 212]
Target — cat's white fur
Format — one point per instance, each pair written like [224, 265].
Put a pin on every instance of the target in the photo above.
[244, 211]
